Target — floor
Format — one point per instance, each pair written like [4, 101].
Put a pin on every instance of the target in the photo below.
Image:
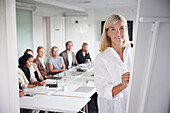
[92, 107]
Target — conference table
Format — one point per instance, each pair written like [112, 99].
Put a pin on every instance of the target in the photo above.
[73, 91]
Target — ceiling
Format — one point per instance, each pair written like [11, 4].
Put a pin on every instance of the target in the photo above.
[80, 5]
[100, 4]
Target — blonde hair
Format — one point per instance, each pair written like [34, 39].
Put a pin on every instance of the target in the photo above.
[53, 49]
[105, 39]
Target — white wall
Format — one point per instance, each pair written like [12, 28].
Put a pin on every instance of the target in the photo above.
[9, 96]
[47, 12]
[93, 21]
[81, 32]
[41, 28]
[57, 32]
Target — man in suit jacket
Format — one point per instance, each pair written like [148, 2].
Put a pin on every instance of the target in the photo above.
[69, 56]
[83, 55]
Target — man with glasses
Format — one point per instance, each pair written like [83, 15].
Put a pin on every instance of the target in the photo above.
[69, 56]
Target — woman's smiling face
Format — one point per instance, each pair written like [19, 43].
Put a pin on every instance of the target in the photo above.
[116, 32]
[29, 62]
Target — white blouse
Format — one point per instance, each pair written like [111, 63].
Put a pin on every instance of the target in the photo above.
[42, 62]
[107, 74]
[22, 79]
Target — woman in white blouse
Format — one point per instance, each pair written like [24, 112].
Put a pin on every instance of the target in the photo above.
[113, 66]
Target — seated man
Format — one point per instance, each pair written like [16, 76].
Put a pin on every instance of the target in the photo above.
[69, 56]
[83, 55]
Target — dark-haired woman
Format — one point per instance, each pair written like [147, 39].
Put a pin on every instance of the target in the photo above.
[26, 73]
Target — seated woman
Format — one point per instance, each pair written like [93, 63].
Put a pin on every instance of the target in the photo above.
[42, 67]
[55, 63]
[37, 73]
[26, 73]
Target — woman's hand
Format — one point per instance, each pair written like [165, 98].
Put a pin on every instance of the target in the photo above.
[63, 69]
[21, 93]
[40, 83]
[125, 79]
[47, 77]
[86, 51]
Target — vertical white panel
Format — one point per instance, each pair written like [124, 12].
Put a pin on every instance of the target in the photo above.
[9, 97]
[47, 36]
[57, 32]
[150, 86]
[158, 97]
[38, 39]
[40, 33]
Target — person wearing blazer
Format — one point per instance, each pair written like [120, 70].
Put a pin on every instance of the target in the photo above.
[83, 55]
[42, 67]
[37, 73]
[69, 56]
[26, 73]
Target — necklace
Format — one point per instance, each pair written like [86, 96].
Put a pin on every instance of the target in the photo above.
[121, 54]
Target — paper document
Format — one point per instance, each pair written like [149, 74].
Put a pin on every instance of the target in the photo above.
[40, 90]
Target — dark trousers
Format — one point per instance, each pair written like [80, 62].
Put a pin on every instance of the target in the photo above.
[94, 97]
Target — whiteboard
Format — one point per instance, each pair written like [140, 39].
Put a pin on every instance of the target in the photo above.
[149, 90]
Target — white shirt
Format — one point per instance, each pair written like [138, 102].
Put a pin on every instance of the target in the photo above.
[84, 54]
[107, 74]
[42, 62]
[23, 81]
[70, 60]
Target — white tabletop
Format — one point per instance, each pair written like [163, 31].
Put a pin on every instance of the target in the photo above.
[53, 103]
[79, 88]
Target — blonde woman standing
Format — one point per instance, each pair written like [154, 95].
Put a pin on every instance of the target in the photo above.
[113, 65]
